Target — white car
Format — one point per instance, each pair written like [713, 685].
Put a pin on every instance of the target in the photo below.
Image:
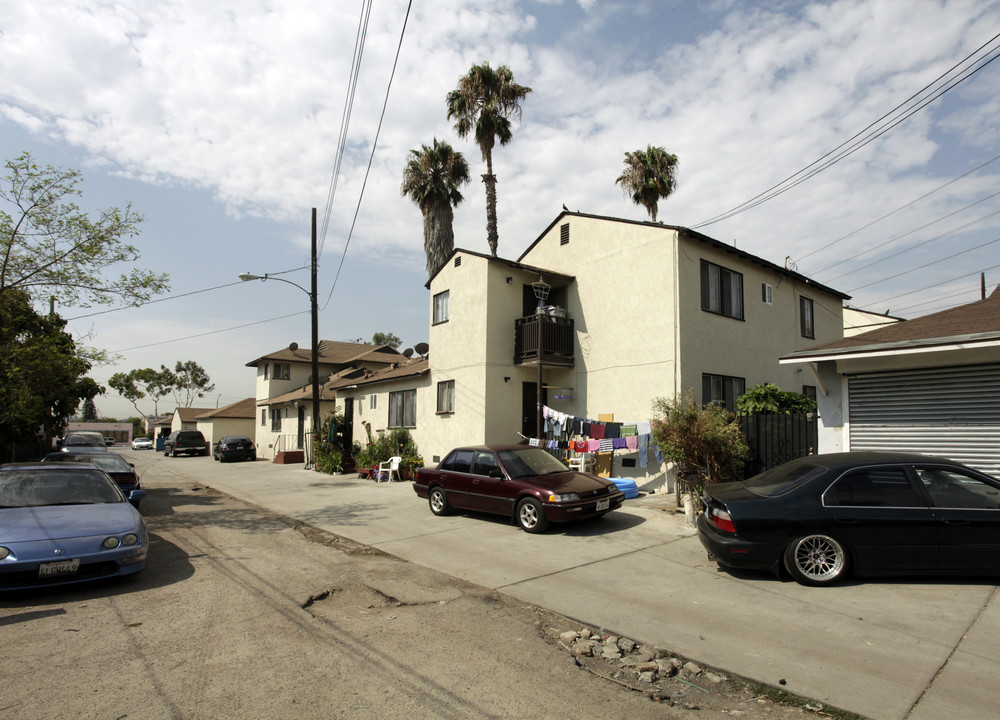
[142, 443]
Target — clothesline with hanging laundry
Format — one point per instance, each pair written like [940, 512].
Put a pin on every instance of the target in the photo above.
[584, 435]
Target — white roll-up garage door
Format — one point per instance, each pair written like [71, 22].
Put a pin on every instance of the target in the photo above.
[953, 412]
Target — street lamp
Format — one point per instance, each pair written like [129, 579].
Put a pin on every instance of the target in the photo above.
[316, 425]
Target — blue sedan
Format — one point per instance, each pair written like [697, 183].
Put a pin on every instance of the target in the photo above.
[66, 523]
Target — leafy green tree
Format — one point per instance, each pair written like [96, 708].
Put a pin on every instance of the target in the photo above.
[379, 339]
[649, 175]
[42, 377]
[187, 379]
[142, 384]
[50, 249]
[769, 398]
[482, 105]
[432, 179]
[89, 410]
[705, 444]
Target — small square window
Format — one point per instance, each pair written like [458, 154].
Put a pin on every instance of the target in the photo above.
[766, 293]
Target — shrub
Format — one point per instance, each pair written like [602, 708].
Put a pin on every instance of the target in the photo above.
[705, 444]
[771, 398]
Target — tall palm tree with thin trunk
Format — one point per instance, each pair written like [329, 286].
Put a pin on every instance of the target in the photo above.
[649, 175]
[482, 105]
[432, 178]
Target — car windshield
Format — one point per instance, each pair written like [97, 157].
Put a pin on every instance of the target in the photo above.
[529, 462]
[783, 479]
[109, 462]
[62, 486]
[95, 439]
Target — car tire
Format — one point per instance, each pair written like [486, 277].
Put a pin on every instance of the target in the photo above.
[816, 560]
[438, 501]
[531, 516]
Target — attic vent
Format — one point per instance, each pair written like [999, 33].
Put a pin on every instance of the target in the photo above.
[458, 260]
[564, 234]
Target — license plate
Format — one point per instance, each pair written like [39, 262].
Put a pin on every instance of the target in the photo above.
[62, 567]
[603, 504]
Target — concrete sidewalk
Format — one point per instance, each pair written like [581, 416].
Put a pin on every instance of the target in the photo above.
[899, 649]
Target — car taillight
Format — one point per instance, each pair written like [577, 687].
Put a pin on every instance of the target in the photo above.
[721, 520]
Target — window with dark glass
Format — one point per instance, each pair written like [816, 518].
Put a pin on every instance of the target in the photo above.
[441, 307]
[446, 396]
[276, 420]
[954, 489]
[721, 290]
[722, 389]
[806, 317]
[874, 487]
[458, 461]
[809, 391]
[403, 408]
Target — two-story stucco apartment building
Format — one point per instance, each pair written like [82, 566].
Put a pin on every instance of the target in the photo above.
[632, 311]
[284, 391]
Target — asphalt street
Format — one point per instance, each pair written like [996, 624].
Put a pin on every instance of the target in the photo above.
[913, 648]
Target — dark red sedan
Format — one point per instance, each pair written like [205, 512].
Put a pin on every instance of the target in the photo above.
[521, 482]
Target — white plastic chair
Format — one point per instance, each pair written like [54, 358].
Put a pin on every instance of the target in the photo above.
[582, 463]
[389, 467]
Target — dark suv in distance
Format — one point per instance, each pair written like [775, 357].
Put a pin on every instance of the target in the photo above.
[235, 447]
[189, 442]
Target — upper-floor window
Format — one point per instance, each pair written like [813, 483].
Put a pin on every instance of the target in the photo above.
[441, 307]
[282, 371]
[721, 290]
[722, 389]
[446, 396]
[403, 408]
[767, 293]
[806, 317]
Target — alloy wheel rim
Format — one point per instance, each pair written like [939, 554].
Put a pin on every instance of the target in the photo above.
[819, 558]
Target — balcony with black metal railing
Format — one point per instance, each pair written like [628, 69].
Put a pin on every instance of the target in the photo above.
[544, 339]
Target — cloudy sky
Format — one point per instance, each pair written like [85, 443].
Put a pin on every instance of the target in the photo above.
[855, 137]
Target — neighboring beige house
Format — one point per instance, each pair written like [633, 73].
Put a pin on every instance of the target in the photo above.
[235, 419]
[861, 321]
[185, 418]
[634, 311]
[930, 385]
[283, 417]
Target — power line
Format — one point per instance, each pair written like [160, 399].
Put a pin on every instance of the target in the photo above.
[345, 120]
[371, 156]
[212, 332]
[890, 214]
[860, 139]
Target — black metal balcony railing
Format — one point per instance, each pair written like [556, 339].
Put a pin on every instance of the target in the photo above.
[545, 339]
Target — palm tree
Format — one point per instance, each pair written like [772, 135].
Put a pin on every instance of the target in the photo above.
[483, 104]
[432, 179]
[649, 175]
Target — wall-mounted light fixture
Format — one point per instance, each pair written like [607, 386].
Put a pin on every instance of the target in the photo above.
[506, 378]
[510, 280]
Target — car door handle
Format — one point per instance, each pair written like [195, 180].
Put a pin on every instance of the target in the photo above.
[846, 520]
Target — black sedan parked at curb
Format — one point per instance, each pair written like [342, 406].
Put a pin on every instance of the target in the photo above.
[823, 517]
[521, 482]
[234, 447]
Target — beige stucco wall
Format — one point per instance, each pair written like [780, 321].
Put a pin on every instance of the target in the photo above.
[623, 308]
[215, 429]
[748, 348]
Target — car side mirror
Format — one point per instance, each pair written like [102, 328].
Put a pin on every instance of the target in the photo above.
[136, 495]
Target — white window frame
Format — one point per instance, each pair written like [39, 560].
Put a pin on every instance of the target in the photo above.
[441, 307]
[446, 397]
[403, 408]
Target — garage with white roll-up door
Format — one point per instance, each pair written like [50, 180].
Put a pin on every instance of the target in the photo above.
[949, 411]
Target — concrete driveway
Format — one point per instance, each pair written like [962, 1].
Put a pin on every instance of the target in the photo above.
[913, 648]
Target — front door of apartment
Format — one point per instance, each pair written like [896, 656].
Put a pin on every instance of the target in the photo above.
[529, 408]
[300, 434]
